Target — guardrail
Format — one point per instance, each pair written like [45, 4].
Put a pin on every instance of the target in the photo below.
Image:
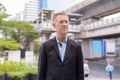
[101, 23]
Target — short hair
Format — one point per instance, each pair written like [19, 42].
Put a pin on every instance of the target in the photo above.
[58, 13]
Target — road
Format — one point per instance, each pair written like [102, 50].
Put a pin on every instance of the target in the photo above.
[97, 72]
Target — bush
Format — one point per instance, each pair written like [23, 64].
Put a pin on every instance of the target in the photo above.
[1, 73]
[17, 69]
[8, 44]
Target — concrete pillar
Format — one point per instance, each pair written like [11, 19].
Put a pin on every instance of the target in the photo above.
[45, 37]
[87, 48]
[48, 36]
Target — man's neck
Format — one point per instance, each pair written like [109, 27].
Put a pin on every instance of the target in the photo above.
[61, 38]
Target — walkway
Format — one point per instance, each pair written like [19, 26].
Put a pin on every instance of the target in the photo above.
[104, 62]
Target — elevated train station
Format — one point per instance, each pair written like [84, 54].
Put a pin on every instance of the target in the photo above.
[87, 25]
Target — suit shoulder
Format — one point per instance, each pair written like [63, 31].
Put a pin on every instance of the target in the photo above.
[74, 43]
[49, 42]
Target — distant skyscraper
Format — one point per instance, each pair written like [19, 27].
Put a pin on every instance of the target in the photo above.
[31, 10]
[43, 4]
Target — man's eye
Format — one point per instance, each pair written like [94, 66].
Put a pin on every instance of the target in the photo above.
[61, 21]
[66, 21]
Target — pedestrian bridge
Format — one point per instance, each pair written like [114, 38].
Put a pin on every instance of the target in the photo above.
[101, 29]
[95, 9]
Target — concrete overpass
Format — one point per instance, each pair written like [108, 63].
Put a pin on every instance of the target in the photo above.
[102, 29]
[95, 9]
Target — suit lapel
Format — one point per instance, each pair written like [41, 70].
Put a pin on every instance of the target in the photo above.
[56, 48]
[67, 49]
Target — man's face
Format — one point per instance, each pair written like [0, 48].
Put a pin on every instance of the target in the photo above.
[61, 24]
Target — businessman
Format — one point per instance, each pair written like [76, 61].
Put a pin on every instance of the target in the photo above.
[60, 57]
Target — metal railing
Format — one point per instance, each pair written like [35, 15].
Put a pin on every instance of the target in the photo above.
[101, 23]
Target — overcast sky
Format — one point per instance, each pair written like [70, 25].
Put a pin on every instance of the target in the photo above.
[60, 4]
[16, 6]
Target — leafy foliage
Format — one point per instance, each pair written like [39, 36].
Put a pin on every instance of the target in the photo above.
[2, 8]
[17, 69]
[36, 48]
[20, 31]
[8, 44]
[1, 73]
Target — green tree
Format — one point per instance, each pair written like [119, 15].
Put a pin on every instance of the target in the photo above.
[8, 44]
[20, 31]
[2, 8]
[36, 48]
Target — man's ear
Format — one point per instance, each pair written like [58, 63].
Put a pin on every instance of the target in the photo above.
[53, 25]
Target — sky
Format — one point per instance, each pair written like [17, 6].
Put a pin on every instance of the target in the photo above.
[61, 4]
[16, 6]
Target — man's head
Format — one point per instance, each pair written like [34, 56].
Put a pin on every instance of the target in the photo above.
[60, 22]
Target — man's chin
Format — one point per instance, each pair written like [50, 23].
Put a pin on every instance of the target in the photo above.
[65, 33]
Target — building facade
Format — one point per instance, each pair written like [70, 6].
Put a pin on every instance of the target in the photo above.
[33, 8]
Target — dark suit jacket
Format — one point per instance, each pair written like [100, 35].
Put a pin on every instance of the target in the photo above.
[50, 66]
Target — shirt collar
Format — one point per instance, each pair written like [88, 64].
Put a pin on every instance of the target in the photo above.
[65, 41]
